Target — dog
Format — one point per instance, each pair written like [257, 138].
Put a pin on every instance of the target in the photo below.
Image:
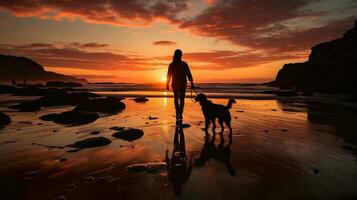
[212, 111]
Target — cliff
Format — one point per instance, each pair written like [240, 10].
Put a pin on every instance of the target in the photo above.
[331, 67]
[20, 68]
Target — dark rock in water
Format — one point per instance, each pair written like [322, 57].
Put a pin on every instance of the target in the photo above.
[129, 134]
[140, 99]
[185, 125]
[4, 119]
[90, 143]
[7, 89]
[63, 84]
[147, 167]
[71, 117]
[66, 99]
[105, 105]
[331, 67]
[117, 128]
[94, 132]
[62, 159]
[28, 106]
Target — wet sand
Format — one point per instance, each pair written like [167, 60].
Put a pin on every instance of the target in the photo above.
[278, 150]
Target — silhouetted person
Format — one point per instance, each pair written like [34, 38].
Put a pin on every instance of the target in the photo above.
[13, 82]
[179, 169]
[179, 72]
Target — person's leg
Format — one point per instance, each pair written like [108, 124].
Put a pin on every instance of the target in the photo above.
[182, 101]
[177, 106]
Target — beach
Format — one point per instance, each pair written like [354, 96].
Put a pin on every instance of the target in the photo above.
[280, 148]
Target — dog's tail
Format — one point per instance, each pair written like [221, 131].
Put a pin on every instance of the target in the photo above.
[230, 102]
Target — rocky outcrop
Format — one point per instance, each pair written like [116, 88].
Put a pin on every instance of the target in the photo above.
[71, 117]
[332, 67]
[103, 105]
[20, 68]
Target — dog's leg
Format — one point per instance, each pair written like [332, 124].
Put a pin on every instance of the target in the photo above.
[229, 126]
[206, 124]
[213, 124]
[221, 124]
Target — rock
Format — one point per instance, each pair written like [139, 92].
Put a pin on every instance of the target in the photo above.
[105, 105]
[4, 119]
[7, 89]
[90, 143]
[152, 118]
[62, 159]
[28, 106]
[94, 132]
[66, 99]
[154, 167]
[63, 84]
[129, 134]
[331, 68]
[71, 117]
[140, 99]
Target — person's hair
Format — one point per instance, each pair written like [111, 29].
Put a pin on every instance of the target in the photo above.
[177, 56]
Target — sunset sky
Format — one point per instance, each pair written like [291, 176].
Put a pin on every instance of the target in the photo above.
[133, 40]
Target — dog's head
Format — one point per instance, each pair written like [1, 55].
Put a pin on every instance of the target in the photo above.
[201, 98]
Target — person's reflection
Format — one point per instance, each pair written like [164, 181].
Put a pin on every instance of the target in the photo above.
[219, 153]
[179, 169]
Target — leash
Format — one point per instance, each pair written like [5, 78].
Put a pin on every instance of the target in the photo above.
[194, 90]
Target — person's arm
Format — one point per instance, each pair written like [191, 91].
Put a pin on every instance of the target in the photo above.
[189, 75]
[168, 77]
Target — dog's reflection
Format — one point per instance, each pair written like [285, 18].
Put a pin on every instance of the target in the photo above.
[179, 168]
[220, 153]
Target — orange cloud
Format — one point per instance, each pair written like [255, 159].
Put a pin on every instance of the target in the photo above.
[164, 43]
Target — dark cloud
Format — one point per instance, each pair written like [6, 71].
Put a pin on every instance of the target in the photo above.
[138, 12]
[64, 55]
[164, 43]
[267, 25]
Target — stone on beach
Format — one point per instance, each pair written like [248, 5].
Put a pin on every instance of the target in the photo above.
[4, 119]
[140, 99]
[71, 117]
[104, 105]
[27, 106]
[129, 134]
[90, 143]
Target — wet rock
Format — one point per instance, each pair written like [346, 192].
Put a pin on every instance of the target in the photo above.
[66, 99]
[129, 134]
[284, 130]
[154, 167]
[95, 133]
[90, 143]
[105, 105]
[71, 117]
[29, 106]
[152, 118]
[140, 99]
[117, 128]
[4, 119]
[63, 84]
